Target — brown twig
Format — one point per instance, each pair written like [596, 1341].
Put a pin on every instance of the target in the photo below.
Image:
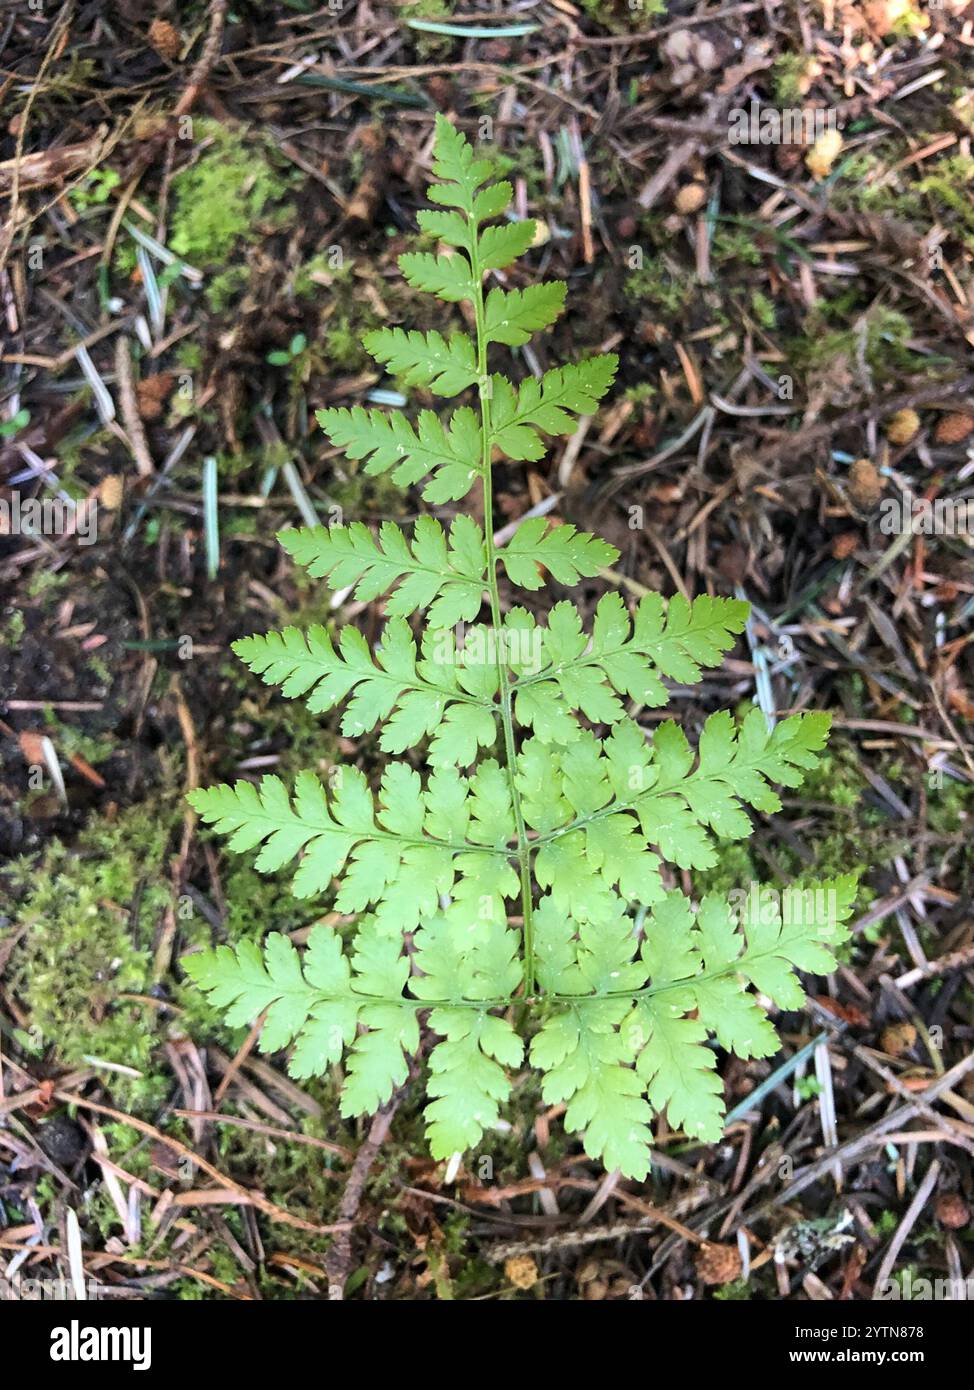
[338, 1261]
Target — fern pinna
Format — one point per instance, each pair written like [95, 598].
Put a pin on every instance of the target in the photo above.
[515, 895]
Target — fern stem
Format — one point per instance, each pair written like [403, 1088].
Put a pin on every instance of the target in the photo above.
[507, 719]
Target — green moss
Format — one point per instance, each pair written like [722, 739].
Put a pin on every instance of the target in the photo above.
[96, 189]
[664, 288]
[619, 15]
[343, 345]
[734, 870]
[944, 191]
[218, 200]
[949, 185]
[306, 286]
[528, 165]
[12, 627]
[642, 392]
[883, 344]
[428, 9]
[950, 806]
[737, 1292]
[44, 581]
[786, 75]
[189, 355]
[836, 779]
[735, 243]
[763, 309]
[261, 903]
[93, 912]
[226, 287]
[70, 741]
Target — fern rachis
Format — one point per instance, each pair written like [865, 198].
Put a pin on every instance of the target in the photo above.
[523, 811]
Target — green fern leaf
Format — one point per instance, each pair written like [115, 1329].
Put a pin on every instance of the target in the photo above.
[512, 316]
[446, 366]
[735, 768]
[497, 247]
[576, 672]
[395, 858]
[675, 805]
[455, 161]
[377, 1063]
[802, 939]
[314, 1005]
[448, 277]
[467, 1080]
[679, 1069]
[247, 982]
[568, 554]
[389, 441]
[546, 404]
[492, 201]
[723, 1004]
[464, 959]
[585, 1062]
[449, 582]
[410, 699]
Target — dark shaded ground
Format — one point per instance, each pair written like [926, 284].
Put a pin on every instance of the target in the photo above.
[774, 323]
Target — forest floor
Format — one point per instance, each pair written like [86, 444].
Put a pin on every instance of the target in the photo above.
[202, 213]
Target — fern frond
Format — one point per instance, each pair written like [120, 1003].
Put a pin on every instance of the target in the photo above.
[454, 160]
[616, 795]
[498, 247]
[448, 581]
[464, 961]
[440, 696]
[448, 277]
[631, 990]
[467, 1080]
[586, 1063]
[628, 1030]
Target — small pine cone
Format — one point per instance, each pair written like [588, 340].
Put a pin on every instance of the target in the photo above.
[166, 39]
[521, 1271]
[690, 198]
[952, 429]
[718, 1264]
[952, 1211]
[865, 484]
[902, 427]
[898, 1038]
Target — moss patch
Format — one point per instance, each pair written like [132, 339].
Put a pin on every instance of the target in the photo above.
[218, 200]
[93, 912]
